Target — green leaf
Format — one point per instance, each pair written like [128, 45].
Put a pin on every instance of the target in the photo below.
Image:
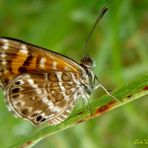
[125, 94]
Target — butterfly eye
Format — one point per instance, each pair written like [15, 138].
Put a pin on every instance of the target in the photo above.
[87, 62]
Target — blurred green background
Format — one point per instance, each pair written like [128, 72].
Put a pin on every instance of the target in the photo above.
[119, 46]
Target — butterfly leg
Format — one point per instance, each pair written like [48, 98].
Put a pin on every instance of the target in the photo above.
[107, 92]
[86, 99]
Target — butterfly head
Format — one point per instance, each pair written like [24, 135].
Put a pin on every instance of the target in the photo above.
[87, 63]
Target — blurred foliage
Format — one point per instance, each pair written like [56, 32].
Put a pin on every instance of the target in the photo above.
[118, 46]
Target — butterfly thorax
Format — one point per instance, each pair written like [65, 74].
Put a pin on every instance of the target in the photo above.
[88, 83]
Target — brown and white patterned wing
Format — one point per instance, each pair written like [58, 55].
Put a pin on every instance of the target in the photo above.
[18, 57]
[43, 97]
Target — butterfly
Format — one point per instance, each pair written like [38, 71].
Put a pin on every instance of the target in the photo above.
[41, 85]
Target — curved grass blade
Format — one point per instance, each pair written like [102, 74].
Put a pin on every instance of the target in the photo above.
[129, 92]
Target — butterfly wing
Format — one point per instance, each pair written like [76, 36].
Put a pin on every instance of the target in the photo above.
[18, 57]
[40, 84]
[41, 98]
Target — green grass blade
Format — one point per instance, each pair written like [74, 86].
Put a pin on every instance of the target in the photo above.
[125, 94]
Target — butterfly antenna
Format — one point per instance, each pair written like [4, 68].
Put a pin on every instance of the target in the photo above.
[101, 14]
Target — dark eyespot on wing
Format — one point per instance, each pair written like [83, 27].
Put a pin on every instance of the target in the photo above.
[15, 90]
[39, 118]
